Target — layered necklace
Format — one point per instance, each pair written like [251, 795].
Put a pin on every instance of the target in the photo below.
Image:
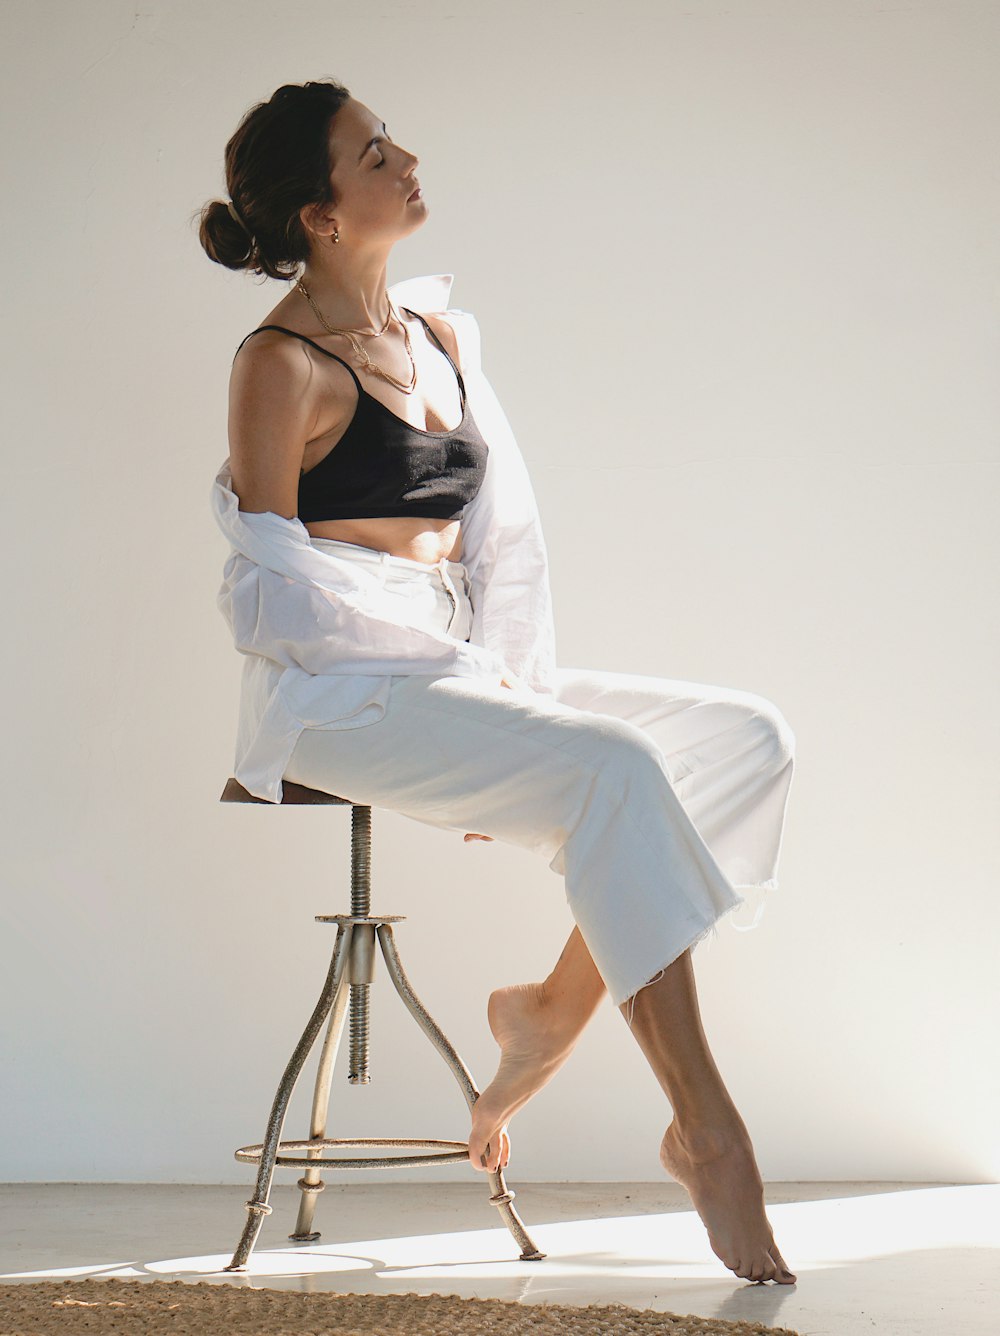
[362, 352]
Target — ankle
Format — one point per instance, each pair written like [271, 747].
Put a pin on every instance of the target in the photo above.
[702, 1139]
[563, 1012]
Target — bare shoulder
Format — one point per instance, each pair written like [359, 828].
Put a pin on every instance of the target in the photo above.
[445, 331]
[268, 346]
[271, 376]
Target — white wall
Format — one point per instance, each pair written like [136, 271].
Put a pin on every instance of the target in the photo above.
[762, 240]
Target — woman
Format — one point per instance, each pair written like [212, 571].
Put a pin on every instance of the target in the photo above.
[388, 586]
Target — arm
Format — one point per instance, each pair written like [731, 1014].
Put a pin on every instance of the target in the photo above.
[273, 410]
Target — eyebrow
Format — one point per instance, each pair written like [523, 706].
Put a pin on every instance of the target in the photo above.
[374, 140]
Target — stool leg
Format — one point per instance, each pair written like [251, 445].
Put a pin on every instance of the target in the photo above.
[257, 1206]
[310, 1182]
[501, 1198]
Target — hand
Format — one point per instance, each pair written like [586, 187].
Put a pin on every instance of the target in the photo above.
[511, 680]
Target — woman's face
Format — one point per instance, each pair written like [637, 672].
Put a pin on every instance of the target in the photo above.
[372, 178]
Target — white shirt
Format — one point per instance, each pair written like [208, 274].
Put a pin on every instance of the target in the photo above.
[320, 637]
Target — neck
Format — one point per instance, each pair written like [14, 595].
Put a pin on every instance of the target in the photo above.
[350, 292]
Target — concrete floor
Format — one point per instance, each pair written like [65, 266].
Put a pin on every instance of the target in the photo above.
[912, 1259]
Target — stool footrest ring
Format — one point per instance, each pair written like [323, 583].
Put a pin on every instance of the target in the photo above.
[434, 1152]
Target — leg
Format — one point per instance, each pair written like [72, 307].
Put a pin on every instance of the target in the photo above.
[729, 754]
[707, 1147]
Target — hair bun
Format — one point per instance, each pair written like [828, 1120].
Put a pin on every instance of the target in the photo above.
[278, 158]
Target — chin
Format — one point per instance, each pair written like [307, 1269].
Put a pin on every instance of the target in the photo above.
[418, 221]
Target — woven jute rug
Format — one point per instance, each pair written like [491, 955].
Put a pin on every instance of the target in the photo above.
[123, 1307]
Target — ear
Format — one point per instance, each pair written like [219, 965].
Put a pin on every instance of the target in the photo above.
[317, 218]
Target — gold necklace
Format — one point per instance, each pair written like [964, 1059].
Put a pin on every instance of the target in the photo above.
[373, 333]
[360, 350]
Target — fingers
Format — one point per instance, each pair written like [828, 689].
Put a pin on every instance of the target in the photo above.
[512, 681]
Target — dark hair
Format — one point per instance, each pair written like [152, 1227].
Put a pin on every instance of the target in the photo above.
[277, 161]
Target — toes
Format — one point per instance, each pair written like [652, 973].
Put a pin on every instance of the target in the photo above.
[484, 1162]
[785, 1276]
[782, 1275]
[773, 1268]
[498, 1151]
[756, 1272]
[768, 1270]
[502, 1140]
[480, 1143]
[478, 1154]
[494, 1154]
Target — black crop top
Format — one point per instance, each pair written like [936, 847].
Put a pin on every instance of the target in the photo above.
[382, 466]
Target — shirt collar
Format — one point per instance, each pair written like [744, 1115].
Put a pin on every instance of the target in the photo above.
[428, 292]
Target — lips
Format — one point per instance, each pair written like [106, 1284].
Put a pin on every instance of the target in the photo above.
[412, 196]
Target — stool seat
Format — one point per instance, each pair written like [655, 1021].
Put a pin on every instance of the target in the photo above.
[234, 792]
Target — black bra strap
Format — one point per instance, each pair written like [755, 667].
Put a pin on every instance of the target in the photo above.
[441, 346]
[296, 335]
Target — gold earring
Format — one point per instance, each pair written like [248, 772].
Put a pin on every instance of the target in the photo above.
[336, 233]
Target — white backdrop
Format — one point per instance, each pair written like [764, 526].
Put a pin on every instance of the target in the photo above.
[736, 271]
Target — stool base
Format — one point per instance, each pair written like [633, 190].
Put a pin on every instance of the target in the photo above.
[348, 979]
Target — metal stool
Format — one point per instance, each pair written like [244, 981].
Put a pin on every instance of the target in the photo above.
[353, 962]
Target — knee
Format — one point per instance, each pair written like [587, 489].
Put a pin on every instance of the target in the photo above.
[624, 749]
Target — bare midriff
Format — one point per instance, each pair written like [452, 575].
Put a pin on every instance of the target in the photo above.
[426, 540]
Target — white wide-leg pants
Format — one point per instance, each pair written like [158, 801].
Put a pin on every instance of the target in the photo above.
[654, 798]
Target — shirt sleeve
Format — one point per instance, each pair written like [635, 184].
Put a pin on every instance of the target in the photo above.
[503, 545]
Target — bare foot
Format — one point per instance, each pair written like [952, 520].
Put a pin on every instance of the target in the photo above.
[533, 1046]
[720, 1172]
